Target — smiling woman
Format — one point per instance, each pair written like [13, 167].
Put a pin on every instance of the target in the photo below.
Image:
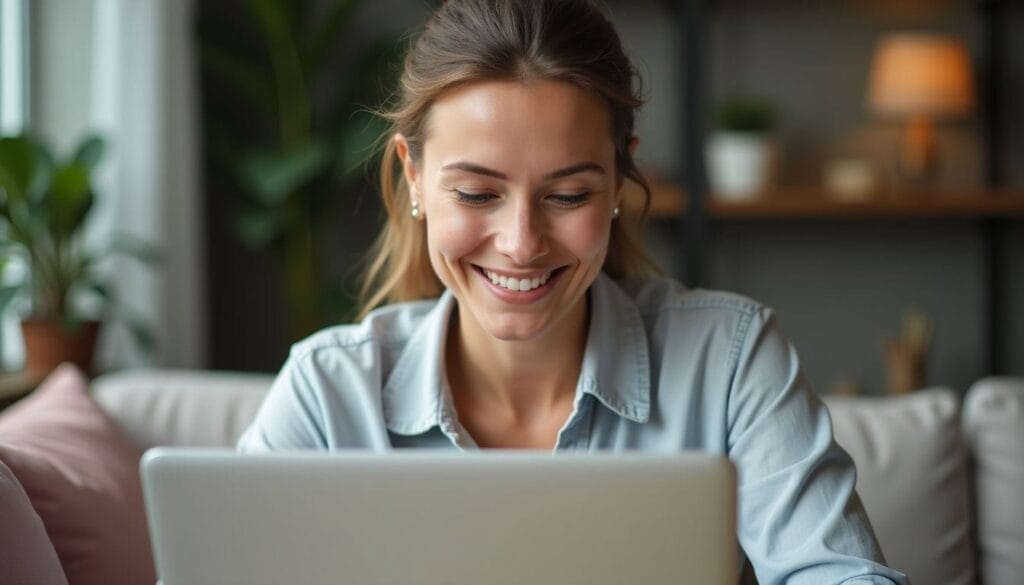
[517, 313]
[504, 200]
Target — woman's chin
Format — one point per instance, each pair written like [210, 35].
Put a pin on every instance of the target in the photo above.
[516, 328]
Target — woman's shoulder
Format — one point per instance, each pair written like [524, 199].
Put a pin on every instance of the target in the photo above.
[660, 296]
[387, 326]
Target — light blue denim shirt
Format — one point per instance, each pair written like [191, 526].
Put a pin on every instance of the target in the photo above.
[665, 369]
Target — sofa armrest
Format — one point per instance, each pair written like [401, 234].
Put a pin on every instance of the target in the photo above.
[912, 476]
[994, 422]
[181, 407]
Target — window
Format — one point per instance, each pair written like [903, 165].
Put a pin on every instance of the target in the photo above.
[13, 65]
[14, 85]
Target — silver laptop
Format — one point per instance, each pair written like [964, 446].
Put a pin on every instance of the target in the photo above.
[432, 518]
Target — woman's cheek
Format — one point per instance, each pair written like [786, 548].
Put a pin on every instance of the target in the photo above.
[588, 236]
[454, 235]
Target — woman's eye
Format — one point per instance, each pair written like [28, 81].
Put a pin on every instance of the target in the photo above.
[473, 198]
[569, 199]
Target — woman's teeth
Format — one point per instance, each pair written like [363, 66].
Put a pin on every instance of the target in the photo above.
[517, 284]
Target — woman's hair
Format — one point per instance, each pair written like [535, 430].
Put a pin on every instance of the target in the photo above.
[467, 41]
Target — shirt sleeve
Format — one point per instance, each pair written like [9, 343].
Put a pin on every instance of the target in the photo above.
[289, 418]
[326, 396]
[800, 520]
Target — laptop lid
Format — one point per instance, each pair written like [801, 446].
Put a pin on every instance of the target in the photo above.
[432, 518]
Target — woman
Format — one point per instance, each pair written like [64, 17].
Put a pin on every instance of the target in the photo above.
[514, 138]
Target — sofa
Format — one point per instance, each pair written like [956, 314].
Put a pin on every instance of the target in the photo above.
[942, 478]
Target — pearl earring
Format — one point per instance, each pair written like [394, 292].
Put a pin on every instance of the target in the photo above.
[415, 210]
[615, 212]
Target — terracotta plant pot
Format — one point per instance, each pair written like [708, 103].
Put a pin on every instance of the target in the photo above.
[49, 344]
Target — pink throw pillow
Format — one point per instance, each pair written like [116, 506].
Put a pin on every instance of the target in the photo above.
[26, 555]
[81, 474]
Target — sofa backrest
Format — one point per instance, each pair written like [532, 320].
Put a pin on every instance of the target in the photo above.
[185, 408]
[994, 423]
[913, 453]
[912, 476]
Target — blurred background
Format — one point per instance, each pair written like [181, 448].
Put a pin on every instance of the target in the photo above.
[858, 166]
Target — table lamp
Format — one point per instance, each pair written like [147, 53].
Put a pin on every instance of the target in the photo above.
[920, 77]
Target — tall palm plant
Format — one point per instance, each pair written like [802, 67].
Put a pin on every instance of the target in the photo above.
[290, 133]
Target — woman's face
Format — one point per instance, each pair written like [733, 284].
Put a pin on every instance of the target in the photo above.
[517, 187]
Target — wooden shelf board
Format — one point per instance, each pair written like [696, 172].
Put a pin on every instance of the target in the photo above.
[668, 201]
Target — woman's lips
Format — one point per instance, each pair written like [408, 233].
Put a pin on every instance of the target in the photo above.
[536, 285]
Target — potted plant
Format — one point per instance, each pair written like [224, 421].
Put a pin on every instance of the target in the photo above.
[741, 152]
[44, 204]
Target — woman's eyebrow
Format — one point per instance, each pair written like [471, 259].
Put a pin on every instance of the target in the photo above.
[482, 170]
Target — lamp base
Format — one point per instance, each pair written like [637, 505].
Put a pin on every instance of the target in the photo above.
[919, 153]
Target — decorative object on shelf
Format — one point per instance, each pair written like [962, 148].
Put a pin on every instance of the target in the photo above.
[906, 355]
[44, 204]
[920, 77]
[850, 179]
[741, 152]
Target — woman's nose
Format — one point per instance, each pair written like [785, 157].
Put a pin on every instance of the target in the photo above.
[521, 235]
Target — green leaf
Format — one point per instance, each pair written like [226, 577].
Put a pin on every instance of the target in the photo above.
[271, 178]
[297, 12]
[243, 71]
[745, 114]
[140, 330]
[10, 292]
[135, 247]
[271, 15]
[69, 199]
[17, 167]
[327, 34]
[102, 291]
[89, 152]
[258, 228]
[42, 175]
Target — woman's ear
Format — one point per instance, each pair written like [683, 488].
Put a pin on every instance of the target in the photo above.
[620, 178]
[409, 169]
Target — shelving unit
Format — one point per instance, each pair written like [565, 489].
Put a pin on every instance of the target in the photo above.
[696, 210]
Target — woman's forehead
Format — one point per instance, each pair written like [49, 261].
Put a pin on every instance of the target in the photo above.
[503, 119]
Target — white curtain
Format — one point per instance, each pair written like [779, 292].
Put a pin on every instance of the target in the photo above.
[144, 102]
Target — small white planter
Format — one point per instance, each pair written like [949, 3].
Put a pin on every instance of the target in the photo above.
[740, 165]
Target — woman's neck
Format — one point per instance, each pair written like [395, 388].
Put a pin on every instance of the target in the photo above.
[524, 379]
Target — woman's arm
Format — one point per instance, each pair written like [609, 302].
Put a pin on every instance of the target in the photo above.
[800, 520]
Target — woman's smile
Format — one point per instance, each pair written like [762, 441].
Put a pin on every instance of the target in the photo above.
[522, 288]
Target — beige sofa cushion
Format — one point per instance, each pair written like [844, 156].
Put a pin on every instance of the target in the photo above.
[912, 476]
[181, 407]
[994, 421]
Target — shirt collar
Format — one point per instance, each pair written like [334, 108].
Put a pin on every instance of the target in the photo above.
[616, 364]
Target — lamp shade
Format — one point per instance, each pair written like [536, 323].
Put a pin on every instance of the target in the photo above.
[915, 74]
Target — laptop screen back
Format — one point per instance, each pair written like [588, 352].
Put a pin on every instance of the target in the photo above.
[415, 518]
